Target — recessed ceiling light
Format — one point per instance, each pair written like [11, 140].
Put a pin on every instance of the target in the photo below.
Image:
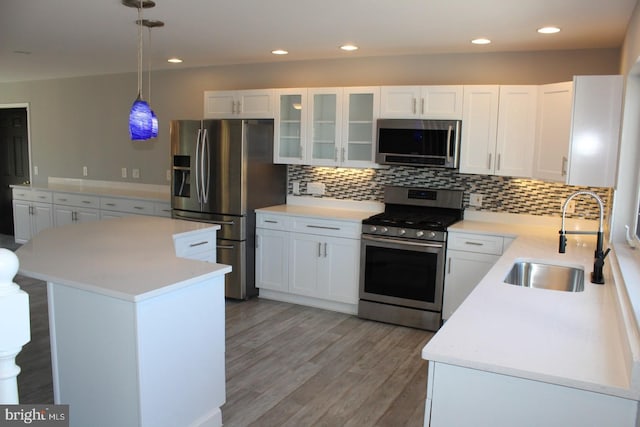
[349, 47]
[279, 52]
[481, 41]
[548, 30]
[174, 60]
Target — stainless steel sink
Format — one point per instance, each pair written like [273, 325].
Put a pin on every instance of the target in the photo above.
[546, 276]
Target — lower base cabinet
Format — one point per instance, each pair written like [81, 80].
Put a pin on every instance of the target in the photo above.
[460, 396]
[306, 261]
[469, 258]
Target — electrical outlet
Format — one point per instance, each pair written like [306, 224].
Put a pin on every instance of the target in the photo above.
[316, 188]
[35, 170]
[135, 173]
[124, 172]
[296, 187]
[571, 207]
[85, 171]
[475, 199]
[168, 175]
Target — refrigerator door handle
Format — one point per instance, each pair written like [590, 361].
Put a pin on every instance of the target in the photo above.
[206, 153]
[197, 164]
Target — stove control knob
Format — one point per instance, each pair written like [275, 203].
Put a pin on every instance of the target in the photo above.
[432, 234]
[402, 232]
[419, 233]
[373, 229]
[384, 229]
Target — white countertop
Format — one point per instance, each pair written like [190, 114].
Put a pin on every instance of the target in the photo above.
[566, 338]
[326, 208]
[131, 258]
[158, 193]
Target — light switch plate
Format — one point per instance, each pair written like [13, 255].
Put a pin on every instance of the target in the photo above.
[135, 173]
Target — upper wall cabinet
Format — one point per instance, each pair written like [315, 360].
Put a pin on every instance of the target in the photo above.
[578, 131]
[425, 102]
[290, 126]
[498, 130]
[553, 131]
[326, 126]
[239, 104]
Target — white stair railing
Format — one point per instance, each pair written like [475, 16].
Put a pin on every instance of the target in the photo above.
[15, 327]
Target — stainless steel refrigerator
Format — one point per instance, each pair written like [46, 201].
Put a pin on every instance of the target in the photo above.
[221, 171]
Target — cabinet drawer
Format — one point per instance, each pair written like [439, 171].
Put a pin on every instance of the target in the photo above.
[192, 245]
[479, 243]
[273, 222]
[142, 207]
[32, 195]
[162, 209]
[78, 200]
[325, 227]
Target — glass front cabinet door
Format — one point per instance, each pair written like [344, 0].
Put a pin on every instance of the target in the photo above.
[360, 113]
[290, 127]
[325, 113]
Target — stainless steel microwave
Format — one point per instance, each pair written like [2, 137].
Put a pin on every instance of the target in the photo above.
[410, 142]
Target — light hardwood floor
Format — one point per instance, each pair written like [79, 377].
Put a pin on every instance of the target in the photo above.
[287, 365]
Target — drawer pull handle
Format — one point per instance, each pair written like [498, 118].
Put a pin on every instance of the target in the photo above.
[270, 221]
[198, 244]
[110, 204]
[323, 227]
[139, 208]
[474, 243]
[62, 200]
[86, 202]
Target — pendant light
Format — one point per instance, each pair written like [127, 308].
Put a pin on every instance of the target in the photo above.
[141, 117]
[154, 119]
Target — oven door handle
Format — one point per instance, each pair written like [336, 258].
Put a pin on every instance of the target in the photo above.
[403, 242]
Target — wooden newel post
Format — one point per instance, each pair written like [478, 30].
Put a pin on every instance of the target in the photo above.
[15, 327]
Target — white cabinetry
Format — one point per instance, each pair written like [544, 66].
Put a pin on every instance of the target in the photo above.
[469, 258]
[498, 130]
[290, 126]
[200, 245]
[429, 102]
[272, 252]
[578, 131]
[69, 208]
[309, 261]
[247, 104]
[460, 396]
[113, 207]
[326, 126]
[32, 213]
[553, 131]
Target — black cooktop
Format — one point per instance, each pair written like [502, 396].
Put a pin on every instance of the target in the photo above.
[414, 220]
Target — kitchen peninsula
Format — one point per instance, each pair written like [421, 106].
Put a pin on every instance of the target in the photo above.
[137, 330]
[512, 355]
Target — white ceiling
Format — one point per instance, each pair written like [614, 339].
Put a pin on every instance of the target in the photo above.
[43, 39]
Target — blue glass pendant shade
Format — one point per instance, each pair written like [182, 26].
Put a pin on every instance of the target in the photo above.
[140, 120]
[154, 125]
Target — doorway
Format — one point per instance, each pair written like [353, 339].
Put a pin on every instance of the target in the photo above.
[14, 159]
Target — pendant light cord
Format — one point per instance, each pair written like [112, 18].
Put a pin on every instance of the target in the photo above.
[139, 23]
[149, 62]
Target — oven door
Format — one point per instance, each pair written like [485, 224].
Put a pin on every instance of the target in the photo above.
[402, 272]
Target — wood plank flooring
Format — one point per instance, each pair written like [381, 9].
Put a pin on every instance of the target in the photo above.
[287, 365]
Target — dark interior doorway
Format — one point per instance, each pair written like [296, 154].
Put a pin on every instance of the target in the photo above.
[14, 160]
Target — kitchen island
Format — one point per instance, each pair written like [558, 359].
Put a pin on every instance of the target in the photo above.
[137, 333]
[511, 355]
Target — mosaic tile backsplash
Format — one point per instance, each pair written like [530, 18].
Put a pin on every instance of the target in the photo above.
[499, 194]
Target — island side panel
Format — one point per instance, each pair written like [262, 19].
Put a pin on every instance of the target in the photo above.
[94, 357]
[181, 348]
[461, 396]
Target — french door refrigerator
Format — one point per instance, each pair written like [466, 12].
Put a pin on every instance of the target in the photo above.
[221, 171]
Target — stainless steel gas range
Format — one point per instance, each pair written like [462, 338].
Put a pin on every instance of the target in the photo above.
[403, 256]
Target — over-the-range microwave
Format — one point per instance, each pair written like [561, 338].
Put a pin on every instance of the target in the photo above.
[418, 142]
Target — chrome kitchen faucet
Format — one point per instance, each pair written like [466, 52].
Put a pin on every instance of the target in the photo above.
[598, 264]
